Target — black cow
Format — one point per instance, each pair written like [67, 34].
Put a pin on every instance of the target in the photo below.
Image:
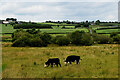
[52, 61]
[72, 58]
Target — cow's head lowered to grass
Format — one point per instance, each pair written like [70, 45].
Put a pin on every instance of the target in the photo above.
[52, 61]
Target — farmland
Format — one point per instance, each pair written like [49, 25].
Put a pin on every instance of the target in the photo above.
[18, 62]
[56, 30]
[9, 29]
[107, 31]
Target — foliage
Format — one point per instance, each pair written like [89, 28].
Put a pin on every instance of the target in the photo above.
[97, 22]
[116, 39]
[33, 31]
[113, 34]
[22, 38]
[22, 41]
[30, 25]
[86, 40]
[63, 40]
[80, 38]
[101, 39]
[46, 38]
[107, 24]
[78, 25]
[36, 42]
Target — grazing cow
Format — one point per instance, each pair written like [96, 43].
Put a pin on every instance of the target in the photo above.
[72, 58]
[52, 61]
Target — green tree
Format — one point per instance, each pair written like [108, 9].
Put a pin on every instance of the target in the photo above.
[97, 22]
[80, 38]
[113, 34]
[61, 41]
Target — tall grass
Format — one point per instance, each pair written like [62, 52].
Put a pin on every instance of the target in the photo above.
[98, 61]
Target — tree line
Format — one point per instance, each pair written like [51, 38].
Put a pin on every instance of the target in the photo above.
[31, 25]
[35, 38]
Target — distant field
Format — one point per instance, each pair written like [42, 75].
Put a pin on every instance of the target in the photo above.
[62, 30]
[107, 30]
[56, 27]
[7, 29]
[98, 61]
[57, 30]
[55, 23]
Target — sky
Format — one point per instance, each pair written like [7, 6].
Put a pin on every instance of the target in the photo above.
[54, 10]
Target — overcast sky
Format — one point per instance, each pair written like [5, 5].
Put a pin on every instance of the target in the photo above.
[74, 11]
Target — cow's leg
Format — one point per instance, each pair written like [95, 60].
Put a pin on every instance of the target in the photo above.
[51, 64]
[48, 65]
[57, 64]
[60, 64]
[70, 63]
[77, 61]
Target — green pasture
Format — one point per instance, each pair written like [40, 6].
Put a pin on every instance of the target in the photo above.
[72, 27]
[56, 29]
[59, 27]
[62, 30]
[107, 30]
[54, 23]
[7, 29]
[98, 61]
[48, 23]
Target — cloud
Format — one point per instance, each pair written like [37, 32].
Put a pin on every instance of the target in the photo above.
[76, 11]
[59, 0]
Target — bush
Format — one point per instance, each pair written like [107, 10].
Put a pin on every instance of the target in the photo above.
[80, 38]
[30, 25]
[54, 39]
[75, 37]
[116, 39]
[61, 41]
[19, 33]
[45, 37]
[86, 40]
[36, 42]
[101, 39]
[21, 42]
[113, 34]
[33, 31]
[22, 39]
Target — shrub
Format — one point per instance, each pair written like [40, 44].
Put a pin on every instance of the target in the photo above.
[80, 38]
[30, 25]
[21, 42]
[86, 40]
[54, 39]
[36, 42]
[45, 37]
[101, 39]
[33, 31]
[61, 41]
[116, 39]
[75, 37]
[22, 39]
[113, 34]
[19, 33]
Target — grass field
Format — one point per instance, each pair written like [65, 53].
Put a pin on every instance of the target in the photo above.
[62, 30]
[107, 30]
[98, 61]
[7, 29]
[56, 29]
